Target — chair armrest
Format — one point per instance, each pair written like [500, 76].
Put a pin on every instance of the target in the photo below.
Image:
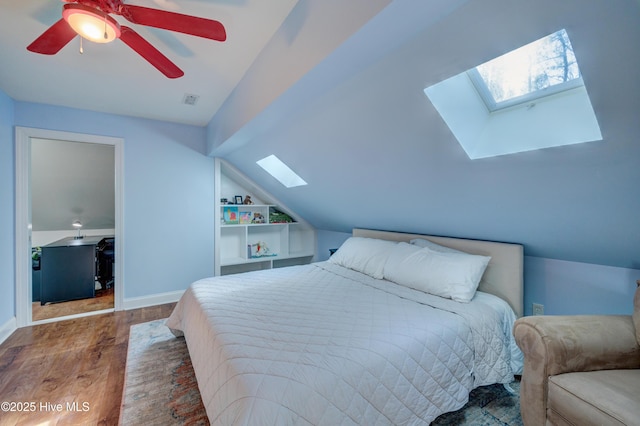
[561, 344]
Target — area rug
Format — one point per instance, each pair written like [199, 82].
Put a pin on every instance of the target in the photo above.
[489, 405]
[161, 389]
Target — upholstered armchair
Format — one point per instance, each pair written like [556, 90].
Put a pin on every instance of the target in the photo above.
[580, 370]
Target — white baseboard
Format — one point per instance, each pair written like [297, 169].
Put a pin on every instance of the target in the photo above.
[152, 300]
[8, 328]
[11, 325]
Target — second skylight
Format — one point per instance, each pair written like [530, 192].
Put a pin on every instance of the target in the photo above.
[276, 168]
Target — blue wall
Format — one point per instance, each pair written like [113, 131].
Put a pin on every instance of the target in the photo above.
[168, 194]
[168, 210]
[574, 288]
[7, 224]
[563, 287]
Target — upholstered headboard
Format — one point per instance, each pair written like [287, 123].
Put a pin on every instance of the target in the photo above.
[504, 275]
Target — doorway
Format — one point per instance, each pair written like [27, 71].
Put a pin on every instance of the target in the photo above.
[68, 198]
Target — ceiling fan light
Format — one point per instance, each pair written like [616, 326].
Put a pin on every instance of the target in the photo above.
[91, 24]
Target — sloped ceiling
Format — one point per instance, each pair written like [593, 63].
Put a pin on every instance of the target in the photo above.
[359, 129]
[112, 78]
[72, 181]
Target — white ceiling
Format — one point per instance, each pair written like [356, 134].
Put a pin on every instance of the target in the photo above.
[114, 79]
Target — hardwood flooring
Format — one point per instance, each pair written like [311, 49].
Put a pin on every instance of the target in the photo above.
[103, 300]
[69, 372]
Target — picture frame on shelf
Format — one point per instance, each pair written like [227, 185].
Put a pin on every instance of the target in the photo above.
[238, 199]
[230, 215]
[245, 217]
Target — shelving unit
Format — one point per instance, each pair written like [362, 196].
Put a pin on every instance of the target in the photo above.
[288, 244]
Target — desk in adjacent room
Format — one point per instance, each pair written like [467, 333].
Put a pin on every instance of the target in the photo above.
[68, 269]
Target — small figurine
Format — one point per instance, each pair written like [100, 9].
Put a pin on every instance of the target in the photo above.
[257, 218]
[260, 249]
[247, 200]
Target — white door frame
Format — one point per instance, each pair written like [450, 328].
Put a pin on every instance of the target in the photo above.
[23, 214]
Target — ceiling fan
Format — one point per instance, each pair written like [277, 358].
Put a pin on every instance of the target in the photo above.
[90, 19]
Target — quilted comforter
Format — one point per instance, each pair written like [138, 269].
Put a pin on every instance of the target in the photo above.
[324, 345]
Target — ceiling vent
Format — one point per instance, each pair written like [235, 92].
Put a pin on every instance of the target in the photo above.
[190, 99]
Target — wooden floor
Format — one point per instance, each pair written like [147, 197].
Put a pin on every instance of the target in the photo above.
[77, 363]
[103, 300]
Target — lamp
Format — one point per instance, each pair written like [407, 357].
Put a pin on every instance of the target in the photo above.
[90, 23]
[77, 224]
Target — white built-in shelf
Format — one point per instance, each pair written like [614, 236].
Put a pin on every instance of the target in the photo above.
[289, 243]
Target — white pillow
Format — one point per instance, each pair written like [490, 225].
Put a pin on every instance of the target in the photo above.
[366, 255]
[421, 242]
[451, 275]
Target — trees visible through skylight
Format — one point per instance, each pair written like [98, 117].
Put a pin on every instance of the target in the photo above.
[546, 66]
[544, 74]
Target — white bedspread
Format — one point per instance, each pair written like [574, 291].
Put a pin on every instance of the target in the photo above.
[320, 344]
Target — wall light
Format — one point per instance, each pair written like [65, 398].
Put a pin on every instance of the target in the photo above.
[90, 23]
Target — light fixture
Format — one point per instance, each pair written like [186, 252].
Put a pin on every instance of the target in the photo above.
[77, 224]
[90, 23]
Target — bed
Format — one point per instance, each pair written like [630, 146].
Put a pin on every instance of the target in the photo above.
[335, 343]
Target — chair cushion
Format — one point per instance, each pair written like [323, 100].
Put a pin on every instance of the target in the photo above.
[607, 397]
[636, 312]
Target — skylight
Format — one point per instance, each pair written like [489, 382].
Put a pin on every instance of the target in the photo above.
[528, 99]
[546, 66]
[276, 168]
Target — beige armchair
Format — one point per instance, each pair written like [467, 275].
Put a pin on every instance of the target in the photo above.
[580, 370]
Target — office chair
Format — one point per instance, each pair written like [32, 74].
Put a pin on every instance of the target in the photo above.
[105, 259]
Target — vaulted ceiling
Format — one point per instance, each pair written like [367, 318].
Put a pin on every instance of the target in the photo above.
[375, 152]
[335, 89]
[113, 78]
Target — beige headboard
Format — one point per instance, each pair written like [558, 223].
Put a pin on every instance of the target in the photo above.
[504, 275]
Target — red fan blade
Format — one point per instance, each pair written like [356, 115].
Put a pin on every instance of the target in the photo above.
[150, 53]
[53, 39]
[192, 25]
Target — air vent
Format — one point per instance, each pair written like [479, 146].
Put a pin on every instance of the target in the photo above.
[190, 99]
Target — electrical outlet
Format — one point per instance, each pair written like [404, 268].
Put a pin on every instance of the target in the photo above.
[538, 309]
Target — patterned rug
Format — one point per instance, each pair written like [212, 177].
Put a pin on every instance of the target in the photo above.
[489, 405]
[160, 387]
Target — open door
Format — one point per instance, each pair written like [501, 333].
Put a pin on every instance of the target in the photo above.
[68, 209]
